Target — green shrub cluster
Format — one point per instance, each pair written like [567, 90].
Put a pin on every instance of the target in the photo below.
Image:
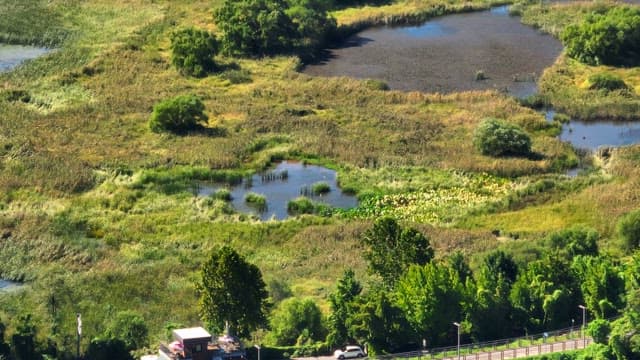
[611, 38]
[179, 114]
[192, 51]
[495, 137]
[607, 82]
[267, 27]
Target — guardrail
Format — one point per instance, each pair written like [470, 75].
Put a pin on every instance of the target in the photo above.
[570, 338]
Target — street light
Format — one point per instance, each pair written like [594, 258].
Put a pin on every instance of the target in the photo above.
[257, 347]
[572, 325]
[584, 322]
[458, 326]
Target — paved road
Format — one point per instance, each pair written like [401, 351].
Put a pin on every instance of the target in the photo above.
[504, 354]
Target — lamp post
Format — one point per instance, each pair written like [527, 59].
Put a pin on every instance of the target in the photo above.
[572, 325]
[584, 322]
[458, 326]
[257, 347]
[79, 321]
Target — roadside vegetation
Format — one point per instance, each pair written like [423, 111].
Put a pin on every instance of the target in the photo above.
[104, 142]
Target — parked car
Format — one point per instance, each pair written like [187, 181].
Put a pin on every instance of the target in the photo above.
[350, 351]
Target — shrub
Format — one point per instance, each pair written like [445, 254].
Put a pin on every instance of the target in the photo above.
[480, 75]
[599, 330]
[628, 228]
[192, 51]
[607, 82]
[237, 76]
[258, 201]
[222, 194]
[320, 188]
[495, 137]
[612, 38]
[179, 114]
[300, 205]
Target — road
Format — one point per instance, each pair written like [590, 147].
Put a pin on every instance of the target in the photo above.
[502, 354]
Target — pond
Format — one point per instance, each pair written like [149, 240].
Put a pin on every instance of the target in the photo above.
[445, 54]
[591, 135]
[6, 285]
[12, 55]
[287, 181]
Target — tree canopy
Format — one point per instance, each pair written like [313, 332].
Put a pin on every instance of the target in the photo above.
[179, 114]
[192, 51]
[232, 291]
[609, 38]
[268, 27]
[495, 137]
[392, 249]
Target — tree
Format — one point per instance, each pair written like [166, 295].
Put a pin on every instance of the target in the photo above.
[192, 51]
[255, 27]
[599, 330]
[312, 23]
[129, 327]
[575, 241]
[610, 38]
[24, 339]
[293, 318]
[107, 349]
[378, 322]
[495, 137]
[498, 263]
[601, 283]
[179, 114]
[431, 297]
[628, 228]
[392, 249]
[232, 291]
[5, 350]
[347, 290]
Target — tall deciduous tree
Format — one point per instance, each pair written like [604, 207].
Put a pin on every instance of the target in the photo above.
[347, 290]
[377, 321]
[431, 297]
[392, 249]
[232, 291]
[294, 318]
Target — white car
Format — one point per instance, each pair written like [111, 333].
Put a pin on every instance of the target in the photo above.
[350, 351]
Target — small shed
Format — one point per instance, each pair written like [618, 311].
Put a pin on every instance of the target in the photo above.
[194, 341]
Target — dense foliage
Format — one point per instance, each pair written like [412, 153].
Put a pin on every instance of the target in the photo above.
[611, 38]
[392, 249]
[499, 138]
[297, 321]
[607, 82]
[192, 51]
[232, 293]
[179, 114]
[267, 27]
[629, 230]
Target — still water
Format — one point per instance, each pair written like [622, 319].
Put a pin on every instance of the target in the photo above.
[444, 54]
[279, 190]
[13, 55]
